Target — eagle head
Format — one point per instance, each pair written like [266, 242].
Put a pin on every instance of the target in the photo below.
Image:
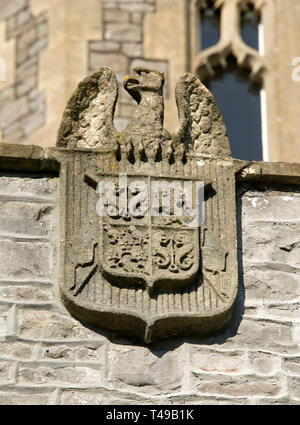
[144, 79]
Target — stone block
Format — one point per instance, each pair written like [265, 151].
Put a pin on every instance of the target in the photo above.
[284, 312]
[15, 350]
[114, 14]
[74, 353]
[123, 32]
[132, 50]
[271, 286]
[10, 7]
[137, 18]
[231, 362]
[30, 219]
[137, 6]
[7, 321]
[275, 243]
[25, 260]
[84, 398]
[271, 206]
[116, 61]
[294, 387]
[33, 122]
[29, 188]
[37, 46]
[26, 294]
[60, 376]
[142, 371]
[239, 386]
[268, 336]
[6, 372]
[265, 364]
[292, 365]
[26, 85]
[12, 111]
[104, 46]
[25, 398]
[43, 325]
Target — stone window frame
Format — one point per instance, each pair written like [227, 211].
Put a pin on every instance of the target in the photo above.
[203, 62]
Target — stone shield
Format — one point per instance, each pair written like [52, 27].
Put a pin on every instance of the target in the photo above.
[150, 276]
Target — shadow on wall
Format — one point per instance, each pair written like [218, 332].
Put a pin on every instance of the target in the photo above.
[161, 347]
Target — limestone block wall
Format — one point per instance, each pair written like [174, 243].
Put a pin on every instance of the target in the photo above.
[22, 104]
[47, 357]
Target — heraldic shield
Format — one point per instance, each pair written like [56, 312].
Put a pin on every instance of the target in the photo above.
[147, 218]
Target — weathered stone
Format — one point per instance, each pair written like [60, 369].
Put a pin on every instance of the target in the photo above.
[132, 50]
[60, 376]
[28, 187]
[271, 206]
[25, 260]
[123, 32]
[15, 350]
[239, 386]
[13, 111]
[26, 294]
[96, 398]
[267, 335]
[147, 373]
[137, 17]
[219, 362]
[25, 398]
[116, 15]
[11, 7]
[135, 6]
[272, 243]
[119, 61]
[292, 365]
[294, 387]
[6, 372]
[37, 46]
[34, 325]
[33, 122]
[31, 219]
[26, 85]
[74, 353]
[265, 364]
[271, 286]
[104, 46]
[159, 270]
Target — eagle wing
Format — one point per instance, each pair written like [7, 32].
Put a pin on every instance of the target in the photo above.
[201, 129]
[88, 118]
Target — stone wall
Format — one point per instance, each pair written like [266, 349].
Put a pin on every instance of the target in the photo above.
[23, 107]
[47, 357]
[122, 48]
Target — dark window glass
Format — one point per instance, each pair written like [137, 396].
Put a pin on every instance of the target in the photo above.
[210, 28]
[249, 29]
[239, 104]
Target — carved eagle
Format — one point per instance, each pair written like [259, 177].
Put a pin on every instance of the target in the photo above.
[88, 118]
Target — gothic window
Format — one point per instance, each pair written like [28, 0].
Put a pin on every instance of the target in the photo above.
[231, 65]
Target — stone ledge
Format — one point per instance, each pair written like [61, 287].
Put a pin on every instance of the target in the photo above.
[28, 158]
[34, 158]
[269, 172]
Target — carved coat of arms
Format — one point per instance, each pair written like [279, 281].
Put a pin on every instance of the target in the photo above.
[152, 273]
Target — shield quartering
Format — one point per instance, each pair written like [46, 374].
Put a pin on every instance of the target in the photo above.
[148, 228]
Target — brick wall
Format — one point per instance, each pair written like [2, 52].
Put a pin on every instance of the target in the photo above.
[47, 357]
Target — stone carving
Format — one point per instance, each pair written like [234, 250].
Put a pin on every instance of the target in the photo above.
[231, 42]
[152, 275]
